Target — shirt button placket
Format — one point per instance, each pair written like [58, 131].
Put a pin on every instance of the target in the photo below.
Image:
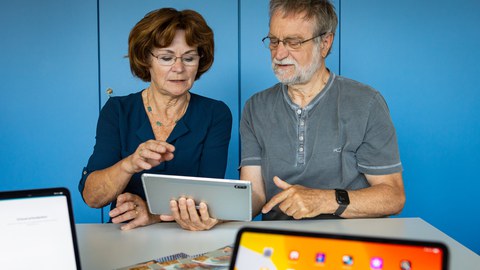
[301, 137]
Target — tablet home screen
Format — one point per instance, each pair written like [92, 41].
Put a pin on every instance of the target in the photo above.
[272, 251]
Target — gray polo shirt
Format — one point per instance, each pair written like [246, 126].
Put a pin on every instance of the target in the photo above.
[345, 132]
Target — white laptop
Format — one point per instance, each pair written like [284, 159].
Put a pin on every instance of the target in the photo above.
[226, 199]
[37, 230]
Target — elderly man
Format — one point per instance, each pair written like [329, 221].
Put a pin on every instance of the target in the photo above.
[317, 145]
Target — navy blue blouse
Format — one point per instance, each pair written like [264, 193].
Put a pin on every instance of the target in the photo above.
[200, 137]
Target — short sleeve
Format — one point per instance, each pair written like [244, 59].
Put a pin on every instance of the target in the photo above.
[378, 154]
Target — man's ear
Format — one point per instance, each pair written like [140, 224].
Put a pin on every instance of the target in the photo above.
[327, 41]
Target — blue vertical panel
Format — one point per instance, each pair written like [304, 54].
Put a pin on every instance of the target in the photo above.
[49, 97]
[424, 57]
[117, 18]
[255, 64]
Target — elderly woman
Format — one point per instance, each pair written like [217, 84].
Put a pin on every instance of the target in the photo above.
[163, 128]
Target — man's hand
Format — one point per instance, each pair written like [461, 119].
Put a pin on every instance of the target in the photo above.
[298, 201]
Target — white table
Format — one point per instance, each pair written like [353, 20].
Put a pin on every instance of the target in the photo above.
[105, 246]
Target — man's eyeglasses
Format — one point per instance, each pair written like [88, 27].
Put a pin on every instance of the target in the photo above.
[170, 59]
[289, 43]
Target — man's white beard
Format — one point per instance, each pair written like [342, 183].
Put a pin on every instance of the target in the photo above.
[301, 75]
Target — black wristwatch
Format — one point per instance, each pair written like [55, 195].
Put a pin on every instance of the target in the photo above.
[343, 201]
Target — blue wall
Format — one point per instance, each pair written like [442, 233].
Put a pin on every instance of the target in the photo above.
[57, 61]
[424, 57]
[48, 94]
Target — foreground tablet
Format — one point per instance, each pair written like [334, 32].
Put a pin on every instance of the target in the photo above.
[37, 230]
[258, 248]
[226, 199]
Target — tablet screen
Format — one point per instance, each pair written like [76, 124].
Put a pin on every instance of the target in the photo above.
[286, 250]
[36, 231]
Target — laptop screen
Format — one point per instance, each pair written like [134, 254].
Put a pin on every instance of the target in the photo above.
[266, 249]
[37, 230]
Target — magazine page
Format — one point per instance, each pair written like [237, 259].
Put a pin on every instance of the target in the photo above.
[218, 259]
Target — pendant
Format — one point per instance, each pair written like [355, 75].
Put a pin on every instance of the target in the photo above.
[159, 124]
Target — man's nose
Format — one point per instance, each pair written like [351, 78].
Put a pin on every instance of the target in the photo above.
[281, 52]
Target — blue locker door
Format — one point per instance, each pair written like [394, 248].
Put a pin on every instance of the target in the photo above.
[49, 95]
[424, 57]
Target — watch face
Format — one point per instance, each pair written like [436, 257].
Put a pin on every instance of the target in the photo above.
[342, 197]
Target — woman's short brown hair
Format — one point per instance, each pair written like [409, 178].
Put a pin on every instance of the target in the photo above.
[157, 30]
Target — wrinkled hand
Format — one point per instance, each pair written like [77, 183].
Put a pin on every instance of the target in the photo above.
[187, 216]
[148, 155]
[133, 208]
[295, 200]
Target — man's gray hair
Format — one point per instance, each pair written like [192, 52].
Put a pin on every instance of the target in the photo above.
[321, 11]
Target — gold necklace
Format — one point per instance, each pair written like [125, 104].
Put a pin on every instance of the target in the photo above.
[159, 123]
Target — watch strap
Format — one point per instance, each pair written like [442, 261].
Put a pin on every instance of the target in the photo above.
[343, 201]
[341, 208]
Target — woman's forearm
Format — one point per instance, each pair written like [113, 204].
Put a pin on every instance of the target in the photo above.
[103, 186]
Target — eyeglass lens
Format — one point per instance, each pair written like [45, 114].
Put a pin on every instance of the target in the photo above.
[289, 43]
[169, 59]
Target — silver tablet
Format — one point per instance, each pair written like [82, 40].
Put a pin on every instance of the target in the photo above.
[226, 199]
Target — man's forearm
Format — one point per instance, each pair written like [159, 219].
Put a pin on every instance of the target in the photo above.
[376, 201]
